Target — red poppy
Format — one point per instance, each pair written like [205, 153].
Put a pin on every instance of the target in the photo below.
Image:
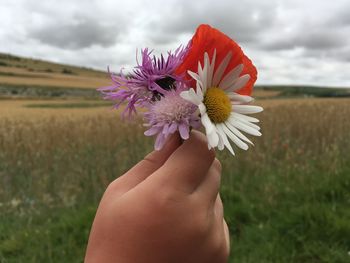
[208, 39]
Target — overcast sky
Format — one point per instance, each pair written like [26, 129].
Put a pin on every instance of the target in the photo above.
[290, 41]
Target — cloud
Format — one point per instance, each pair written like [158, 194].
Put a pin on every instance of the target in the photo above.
[340, 17]
[310, 39]
[290, 41]
[244, 22]
[313, 27]
[82, 32]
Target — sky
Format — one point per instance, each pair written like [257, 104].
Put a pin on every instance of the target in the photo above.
[289, 41]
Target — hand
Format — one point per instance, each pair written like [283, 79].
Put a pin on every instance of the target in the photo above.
[165, 209]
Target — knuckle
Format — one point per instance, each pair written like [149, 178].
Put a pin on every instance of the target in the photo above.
[115, 188]
[112, 187]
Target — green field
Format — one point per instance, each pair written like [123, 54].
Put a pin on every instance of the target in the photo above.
[286, 199]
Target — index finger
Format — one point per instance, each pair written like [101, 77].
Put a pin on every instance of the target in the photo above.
[146, 167]
[187, 167]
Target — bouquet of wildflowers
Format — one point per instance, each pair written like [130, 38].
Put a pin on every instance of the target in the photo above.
[207, 84]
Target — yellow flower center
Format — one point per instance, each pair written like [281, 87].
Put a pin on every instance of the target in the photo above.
[218, 105]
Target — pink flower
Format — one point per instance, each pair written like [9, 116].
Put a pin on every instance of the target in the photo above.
[170, 114]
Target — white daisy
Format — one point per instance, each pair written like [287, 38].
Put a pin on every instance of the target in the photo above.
[222, 109]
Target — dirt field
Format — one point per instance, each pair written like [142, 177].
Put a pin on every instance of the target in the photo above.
[23, 109]
[19, 76]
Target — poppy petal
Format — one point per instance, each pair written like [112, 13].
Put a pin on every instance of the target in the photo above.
[210, 40]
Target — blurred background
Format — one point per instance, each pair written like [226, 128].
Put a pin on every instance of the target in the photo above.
[286, 199]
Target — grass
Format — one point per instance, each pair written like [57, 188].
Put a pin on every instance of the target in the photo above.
[62, 235]
[286, 199]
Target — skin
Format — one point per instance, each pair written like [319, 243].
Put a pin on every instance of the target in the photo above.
[167, 208]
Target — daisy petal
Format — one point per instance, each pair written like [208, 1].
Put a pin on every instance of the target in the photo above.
[208, 66]
[204, 77]
[241, 98]
[238, 133]
[199, 93]
[202, 108]
[231, 78]
[243, 127]
[208, 125]
[191, 96]
[234, 138]
[194, 76]
[213, 139]
[200, 71]
[245, 117]
[247, 109]
[239, 83]
[254, 126]
[211, 70]
[221, 69]
[186, 95]
[221, 144]
[224, 138]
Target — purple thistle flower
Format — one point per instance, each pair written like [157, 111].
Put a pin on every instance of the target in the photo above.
[123, 90]
[170, 114]
[149, 81]
[157, 74]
